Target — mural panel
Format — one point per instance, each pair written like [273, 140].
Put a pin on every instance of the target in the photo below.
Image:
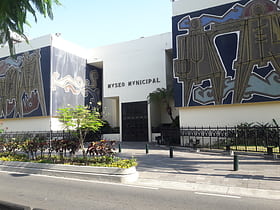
[93, 89]
[228, 54]
[68, 79]
[24, 84]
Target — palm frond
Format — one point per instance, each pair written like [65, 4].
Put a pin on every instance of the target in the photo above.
[13, 14]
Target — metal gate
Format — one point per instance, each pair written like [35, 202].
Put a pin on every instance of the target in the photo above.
[135, 121]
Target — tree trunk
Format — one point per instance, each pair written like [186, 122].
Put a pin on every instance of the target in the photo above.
[169, 112]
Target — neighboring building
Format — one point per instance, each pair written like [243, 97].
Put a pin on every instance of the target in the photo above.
[226, 61]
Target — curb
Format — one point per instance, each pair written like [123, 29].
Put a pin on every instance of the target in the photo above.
[275, 156]
[12, 206]
[209, 188]
[108, 174]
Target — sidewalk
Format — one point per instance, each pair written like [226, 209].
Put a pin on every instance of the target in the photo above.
[204, 171]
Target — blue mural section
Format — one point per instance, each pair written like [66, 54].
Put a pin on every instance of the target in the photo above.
[227, 54]
[25, 84]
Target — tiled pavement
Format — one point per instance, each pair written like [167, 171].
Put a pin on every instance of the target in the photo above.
[205, 171]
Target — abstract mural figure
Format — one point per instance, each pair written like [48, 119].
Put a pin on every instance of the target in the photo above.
[92, 90]
[31, 81]
[75, 85]
[198, 60]
[21, 86]
[255, 26]
[259, 43]
[11, 93]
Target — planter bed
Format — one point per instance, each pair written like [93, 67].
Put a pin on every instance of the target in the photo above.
[110, 174]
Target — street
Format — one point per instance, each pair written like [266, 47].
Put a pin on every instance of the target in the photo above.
[59, 194]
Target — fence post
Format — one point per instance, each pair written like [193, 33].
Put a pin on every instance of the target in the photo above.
[120, 148]
[171, 152]
[235, 137]
[278, 139]
[210, 134]
[235, 162]
[256, 137]
[202, 136]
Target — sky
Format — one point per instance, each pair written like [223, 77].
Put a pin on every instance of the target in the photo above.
[93, 23]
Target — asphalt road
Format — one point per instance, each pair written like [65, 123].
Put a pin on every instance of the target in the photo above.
[59, 194]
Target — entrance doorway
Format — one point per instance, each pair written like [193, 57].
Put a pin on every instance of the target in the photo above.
[135, 121]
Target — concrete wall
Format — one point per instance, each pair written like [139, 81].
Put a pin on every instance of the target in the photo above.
[26, 124]
[32, 45]
[111, 111]
[229, 115]
[184, 6]
[31, 124]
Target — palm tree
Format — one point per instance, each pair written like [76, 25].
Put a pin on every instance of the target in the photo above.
[164, 96]
[13, 15]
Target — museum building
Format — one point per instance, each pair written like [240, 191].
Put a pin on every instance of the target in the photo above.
[222, 60]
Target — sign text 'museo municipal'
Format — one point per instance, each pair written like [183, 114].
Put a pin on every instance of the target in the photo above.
[134, 83]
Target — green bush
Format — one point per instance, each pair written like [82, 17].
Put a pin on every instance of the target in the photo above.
[101, 161]
[6, 156]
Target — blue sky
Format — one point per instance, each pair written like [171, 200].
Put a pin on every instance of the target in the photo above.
[92, 23]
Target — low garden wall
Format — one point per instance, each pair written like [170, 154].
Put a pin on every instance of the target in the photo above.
[110, 174]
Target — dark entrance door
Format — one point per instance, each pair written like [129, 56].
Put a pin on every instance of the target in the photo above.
[135, 121]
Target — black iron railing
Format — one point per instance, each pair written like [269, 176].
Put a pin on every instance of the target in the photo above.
[43, 134]
[256, 139]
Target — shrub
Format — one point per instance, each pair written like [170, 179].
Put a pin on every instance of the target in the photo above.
[101, 148]
[101, 161]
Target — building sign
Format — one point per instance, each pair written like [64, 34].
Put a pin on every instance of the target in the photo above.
[134, 83]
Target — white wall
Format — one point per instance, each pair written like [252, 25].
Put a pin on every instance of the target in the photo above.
[111, 111]
[43, 41]
[165, 118]
[36, 43]
[60, 43]
[229, 115]
[27, 124]
[185, 6]
[139, 59]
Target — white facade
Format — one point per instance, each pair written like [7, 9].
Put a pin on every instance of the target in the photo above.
[132, 70]
[125, 64]
[185, 6]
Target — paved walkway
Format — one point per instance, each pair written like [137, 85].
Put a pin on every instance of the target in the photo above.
[205, 171]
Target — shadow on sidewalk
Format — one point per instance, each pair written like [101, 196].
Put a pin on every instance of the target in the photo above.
[203, 164]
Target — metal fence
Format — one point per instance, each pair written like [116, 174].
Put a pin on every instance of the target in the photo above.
[47, 135]
[242, 138]
[255, 138]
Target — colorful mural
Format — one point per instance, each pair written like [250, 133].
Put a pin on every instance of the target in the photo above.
[22, 90]
[228, 54]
